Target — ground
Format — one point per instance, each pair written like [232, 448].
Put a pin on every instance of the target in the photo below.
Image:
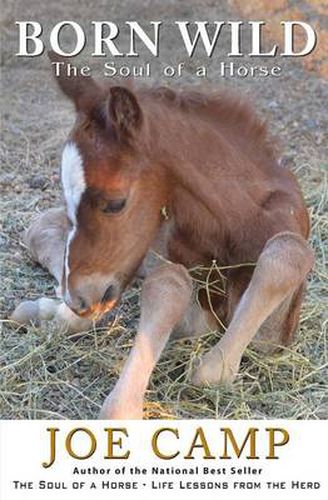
[48, 374]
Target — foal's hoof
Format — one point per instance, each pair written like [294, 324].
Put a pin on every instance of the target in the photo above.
[34, 311]
[214, 371]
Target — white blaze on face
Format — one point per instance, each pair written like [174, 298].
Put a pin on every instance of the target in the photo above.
[74, 185]
[73, 180]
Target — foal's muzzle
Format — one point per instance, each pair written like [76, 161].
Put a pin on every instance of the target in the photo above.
[85, 308]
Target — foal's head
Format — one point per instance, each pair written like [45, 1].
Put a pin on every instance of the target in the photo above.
[113, 194]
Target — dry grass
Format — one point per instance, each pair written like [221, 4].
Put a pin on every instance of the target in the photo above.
[47, 374]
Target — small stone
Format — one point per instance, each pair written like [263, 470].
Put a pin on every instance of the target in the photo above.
[310, 124]
[7, 179]
[55, 178]
[3, 242]
[37, 182]
[286, 160]
[273, 105]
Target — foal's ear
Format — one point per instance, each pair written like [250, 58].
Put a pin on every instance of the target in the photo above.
[124, 112]
[82, 90]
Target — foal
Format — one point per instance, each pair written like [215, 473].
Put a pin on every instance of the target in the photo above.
[207, 162]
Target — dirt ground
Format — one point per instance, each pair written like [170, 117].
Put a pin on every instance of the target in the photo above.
[47, 374]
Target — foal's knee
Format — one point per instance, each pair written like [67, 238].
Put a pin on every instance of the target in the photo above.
[286, 260]
[166, 292]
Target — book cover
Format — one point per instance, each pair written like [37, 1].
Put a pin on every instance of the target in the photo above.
[163, 249]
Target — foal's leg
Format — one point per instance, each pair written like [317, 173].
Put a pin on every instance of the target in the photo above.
[165, 296]
[282, 267]
[45, 240]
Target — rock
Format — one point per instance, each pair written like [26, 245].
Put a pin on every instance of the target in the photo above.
[3, 242]
[7, 179]
[273, 105]
[310, 124]
[51, 369]
[37, 182]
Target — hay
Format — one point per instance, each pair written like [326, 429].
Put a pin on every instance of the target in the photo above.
[47, 374]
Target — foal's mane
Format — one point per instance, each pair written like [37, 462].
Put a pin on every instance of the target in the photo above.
[233, 114]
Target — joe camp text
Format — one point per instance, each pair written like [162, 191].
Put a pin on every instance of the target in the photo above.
[166, 443]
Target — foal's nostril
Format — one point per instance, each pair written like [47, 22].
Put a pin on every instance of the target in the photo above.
[108, 295]
[82, 304]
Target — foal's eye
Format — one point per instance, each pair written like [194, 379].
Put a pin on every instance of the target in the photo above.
[114, 206]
